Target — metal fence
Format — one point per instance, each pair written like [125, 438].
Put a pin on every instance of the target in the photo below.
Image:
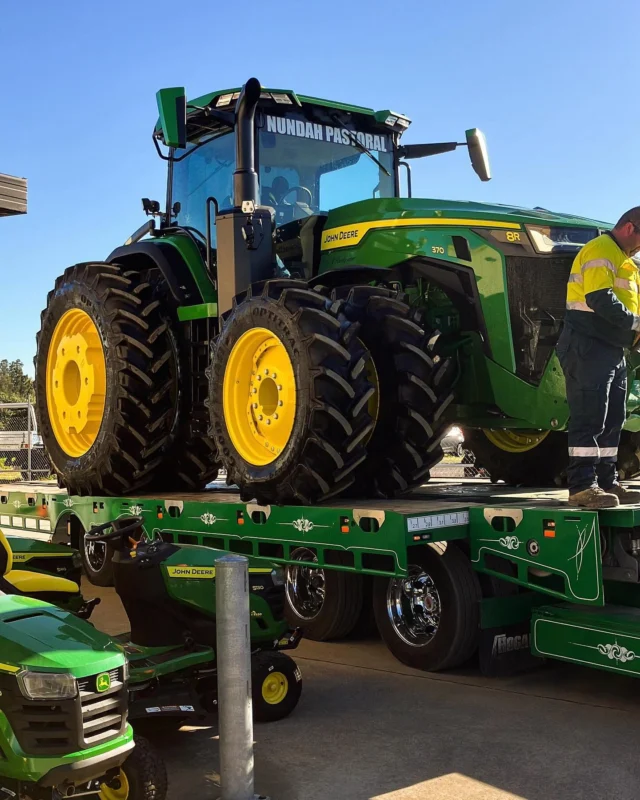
[22, 456]
[458, 466]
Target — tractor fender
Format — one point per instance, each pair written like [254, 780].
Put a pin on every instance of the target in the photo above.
[168, 260]
[353, 275]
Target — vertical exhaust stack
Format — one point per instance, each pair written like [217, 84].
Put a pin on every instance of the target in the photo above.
[245, 177]
[245, 232]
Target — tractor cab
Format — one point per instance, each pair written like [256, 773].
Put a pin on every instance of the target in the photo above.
[311, 156]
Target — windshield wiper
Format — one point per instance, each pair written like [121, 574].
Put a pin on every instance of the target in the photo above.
[359, 146]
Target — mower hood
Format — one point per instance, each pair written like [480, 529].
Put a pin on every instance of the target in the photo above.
[37, 635]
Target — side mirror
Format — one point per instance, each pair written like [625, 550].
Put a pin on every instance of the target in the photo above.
[172, 106]
[477, 144]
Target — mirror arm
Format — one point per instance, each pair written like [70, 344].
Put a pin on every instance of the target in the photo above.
[407, 166]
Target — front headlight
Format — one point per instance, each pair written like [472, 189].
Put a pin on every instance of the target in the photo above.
[278, 576]
[48, 685]
[559, 238]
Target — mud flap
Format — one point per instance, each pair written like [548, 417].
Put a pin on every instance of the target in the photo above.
[506, 650]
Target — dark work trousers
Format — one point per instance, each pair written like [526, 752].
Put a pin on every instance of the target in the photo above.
[596, 377]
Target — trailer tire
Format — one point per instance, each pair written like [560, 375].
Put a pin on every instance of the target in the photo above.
[334, 606]
[450, 592]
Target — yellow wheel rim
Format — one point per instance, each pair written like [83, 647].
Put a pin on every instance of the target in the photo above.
[274, 688]
[109, 793]
[76, 382]
[259, 396]
[515, 441]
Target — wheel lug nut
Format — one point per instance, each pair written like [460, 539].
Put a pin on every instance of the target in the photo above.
[280, 403]
[255, 405]
[259, 377]
[275, 416]
[268, 422]
[254, 391]
[266, 372]
[273, 375]
[260, 417]
[279, 388]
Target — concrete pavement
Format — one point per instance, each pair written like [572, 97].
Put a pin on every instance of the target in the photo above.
[368, 728]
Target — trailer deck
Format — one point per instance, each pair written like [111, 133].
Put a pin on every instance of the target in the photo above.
[572, 576]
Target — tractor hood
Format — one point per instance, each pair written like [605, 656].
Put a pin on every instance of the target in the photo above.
[465, 212]
[37, 635]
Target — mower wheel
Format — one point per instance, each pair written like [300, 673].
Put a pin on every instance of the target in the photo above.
[325, 603]
[276, 685]
[413, 388]
[430, 619]
[143, 776]
[288, 395]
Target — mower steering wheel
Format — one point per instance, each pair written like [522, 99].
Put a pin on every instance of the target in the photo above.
[295, 188]
[97, 532]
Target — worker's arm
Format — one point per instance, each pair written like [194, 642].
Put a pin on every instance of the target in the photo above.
[598, 280]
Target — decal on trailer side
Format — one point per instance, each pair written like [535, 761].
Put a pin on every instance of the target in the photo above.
[447, 520]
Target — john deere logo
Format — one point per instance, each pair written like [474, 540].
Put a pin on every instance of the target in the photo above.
[103, 682]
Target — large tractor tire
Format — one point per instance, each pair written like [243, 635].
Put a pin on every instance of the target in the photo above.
[289, 395]
[629, 455]
[520, 458]
[106, 380]
[413, 389]
[108, 374]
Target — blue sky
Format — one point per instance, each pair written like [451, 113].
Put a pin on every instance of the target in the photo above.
[553, 84]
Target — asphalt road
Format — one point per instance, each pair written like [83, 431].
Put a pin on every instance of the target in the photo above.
[368, 728]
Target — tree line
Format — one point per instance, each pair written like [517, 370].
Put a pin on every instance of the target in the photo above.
[15, 386]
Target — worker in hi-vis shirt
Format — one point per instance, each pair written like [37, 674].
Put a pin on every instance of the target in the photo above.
[601, 321]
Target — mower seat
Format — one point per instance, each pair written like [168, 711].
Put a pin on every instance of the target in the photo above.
[26, 582]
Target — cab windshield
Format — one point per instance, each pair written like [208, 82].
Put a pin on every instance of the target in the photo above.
[309, 168]
[305, 168]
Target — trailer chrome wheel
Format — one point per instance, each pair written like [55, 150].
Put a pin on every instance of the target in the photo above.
[430, 619]
[96, 560]
[413, 605]
[325, 603]
[305, 586]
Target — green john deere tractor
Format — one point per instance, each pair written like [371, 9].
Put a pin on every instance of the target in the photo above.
[296, 321]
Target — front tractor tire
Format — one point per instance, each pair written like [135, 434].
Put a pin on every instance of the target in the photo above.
[520, 458]
[289, 395]
[413, 389]
[106, 380]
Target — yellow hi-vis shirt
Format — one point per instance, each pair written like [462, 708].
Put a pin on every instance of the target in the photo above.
[601, 266]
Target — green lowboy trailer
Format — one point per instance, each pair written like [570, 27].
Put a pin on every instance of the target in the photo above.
[448, 572]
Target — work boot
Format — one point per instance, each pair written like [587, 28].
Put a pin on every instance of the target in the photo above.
[594, 497]
[626, 497]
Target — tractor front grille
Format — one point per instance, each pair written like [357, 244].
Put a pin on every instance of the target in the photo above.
[536, 290]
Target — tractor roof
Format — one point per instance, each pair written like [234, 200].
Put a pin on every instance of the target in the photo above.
[224, 99]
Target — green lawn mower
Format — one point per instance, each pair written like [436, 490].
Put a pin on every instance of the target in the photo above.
[63, 711]
[168, 592]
